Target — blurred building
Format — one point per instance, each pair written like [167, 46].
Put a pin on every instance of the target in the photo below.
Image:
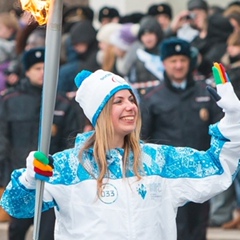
[126, 6]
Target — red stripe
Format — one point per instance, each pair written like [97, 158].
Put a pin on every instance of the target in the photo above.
[44, 173]
[223, 73]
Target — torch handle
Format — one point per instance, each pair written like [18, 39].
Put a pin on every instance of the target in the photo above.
[38, 209]
[51, 70]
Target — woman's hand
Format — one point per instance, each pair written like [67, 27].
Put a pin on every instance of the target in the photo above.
[225, 95]
[39, 166]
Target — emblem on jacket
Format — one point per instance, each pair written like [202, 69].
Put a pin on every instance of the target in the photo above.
[142, 190]
[109, 193]
[152, 189]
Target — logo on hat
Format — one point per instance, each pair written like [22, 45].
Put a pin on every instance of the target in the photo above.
[79, 12]
[118, 79]
[105, 76]
[105, 11]
[178, 48]
[38, 54]
[160, 9]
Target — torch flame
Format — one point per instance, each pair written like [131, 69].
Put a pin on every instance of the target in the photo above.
[38, 8]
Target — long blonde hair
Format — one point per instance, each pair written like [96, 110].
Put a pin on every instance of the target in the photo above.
[103, 136]
[109, 59]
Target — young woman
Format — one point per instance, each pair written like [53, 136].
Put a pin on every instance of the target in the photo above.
[113, 186]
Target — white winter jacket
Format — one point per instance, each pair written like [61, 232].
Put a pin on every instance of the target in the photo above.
[129, 209]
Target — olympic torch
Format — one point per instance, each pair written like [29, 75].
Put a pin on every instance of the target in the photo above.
[50, 12]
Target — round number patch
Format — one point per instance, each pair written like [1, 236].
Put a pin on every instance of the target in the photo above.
[108, 193]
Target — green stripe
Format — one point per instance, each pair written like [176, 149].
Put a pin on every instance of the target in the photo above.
[41, 157]
[216, 75]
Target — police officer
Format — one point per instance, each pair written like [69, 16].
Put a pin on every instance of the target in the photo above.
[19, 127]
[178, 112]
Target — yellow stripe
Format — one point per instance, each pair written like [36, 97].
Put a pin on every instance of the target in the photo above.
[220, 72]
[41, 166]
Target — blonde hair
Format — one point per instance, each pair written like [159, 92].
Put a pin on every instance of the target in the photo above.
[233, 12]
[234, 39]
[109, 59]
[103, 136]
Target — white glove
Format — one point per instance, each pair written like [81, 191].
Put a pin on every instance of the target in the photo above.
[229, 102]
[225, 97]
[28, 177]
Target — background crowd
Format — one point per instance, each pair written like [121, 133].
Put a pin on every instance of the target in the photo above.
[138, 47]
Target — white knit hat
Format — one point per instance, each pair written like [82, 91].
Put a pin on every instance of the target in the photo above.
[95, 90]
[124, 36]
[105, 32]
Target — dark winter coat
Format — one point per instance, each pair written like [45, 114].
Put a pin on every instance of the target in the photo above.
[234, 76]
[19, 126]
[82, 32]
[179, 117]
[214, 45]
